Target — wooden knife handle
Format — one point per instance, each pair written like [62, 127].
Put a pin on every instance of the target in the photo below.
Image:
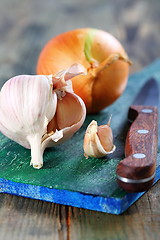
[136, 172]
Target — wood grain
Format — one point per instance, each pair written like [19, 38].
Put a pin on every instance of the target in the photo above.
[23, 218]
[25, 26]
[139, 169]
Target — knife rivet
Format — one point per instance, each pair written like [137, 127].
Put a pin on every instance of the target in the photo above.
[139, 155]
[146, 110]
[142, 131]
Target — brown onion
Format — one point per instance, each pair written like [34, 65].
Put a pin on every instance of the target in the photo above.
[100, 53]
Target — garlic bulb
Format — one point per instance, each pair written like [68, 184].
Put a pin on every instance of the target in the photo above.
[41, 111]
[98, 140]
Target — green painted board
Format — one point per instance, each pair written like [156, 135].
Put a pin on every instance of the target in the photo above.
[66, 169]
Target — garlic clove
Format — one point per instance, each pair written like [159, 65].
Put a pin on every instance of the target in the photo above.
[27, 104]
[77, 119]
[95, 146]
[105, 135]
[106, 142]
[69, 117]
[65, 109]
[71, 110]
[52, 125]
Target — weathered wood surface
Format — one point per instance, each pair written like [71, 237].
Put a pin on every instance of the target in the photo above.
[23, 218]
[25, 26]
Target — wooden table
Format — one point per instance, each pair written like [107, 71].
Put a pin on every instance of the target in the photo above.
[25, 26]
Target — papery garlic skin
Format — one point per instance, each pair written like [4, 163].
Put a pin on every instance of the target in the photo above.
[30, 104]
[92, 145]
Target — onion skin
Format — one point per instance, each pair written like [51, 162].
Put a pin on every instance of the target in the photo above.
[100, 53]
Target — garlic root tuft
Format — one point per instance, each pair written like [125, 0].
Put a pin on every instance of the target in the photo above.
[36, 151]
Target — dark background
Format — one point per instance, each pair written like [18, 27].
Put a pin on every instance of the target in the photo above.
[25, 26]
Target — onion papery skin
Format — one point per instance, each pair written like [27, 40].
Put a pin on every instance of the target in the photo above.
[100, 53]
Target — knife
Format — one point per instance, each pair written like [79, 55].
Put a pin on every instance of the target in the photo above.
[135, 173]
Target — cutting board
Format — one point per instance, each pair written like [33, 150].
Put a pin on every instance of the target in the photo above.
[67, 177]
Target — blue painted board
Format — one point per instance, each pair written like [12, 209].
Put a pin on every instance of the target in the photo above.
[112, 205]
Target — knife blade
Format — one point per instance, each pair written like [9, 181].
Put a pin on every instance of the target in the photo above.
[135, 173]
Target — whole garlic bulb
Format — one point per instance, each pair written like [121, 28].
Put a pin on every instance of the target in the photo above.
[41, 111]
[98, 140]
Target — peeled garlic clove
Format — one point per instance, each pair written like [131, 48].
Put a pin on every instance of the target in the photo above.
[98, 141]
[27, 104]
